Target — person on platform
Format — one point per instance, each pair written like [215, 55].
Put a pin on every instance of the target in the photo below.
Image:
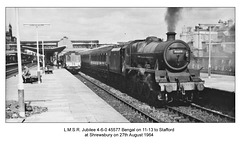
[26, 73]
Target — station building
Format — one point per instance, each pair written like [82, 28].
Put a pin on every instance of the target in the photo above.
[222, 41]
[222, 38]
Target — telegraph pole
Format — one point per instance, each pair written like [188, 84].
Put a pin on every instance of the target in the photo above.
[20, 80]
[209, 54]
[43, 54]
[38, 64]
[209, 47]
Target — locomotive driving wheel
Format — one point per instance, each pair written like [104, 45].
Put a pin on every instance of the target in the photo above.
[146, 93]
[190, 96]
[132, 86]
[123, 85]
[139, 89]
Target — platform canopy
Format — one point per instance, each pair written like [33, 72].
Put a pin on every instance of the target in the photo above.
[52, 50]
[74, 50]
[15, 52]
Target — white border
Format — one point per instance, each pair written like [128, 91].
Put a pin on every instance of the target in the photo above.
[52, 135]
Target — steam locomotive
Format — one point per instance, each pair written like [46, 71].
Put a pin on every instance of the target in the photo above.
[154, 70]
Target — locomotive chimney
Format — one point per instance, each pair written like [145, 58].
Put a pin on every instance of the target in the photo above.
[171, 36]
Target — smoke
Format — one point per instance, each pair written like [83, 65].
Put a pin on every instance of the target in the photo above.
[172, 16]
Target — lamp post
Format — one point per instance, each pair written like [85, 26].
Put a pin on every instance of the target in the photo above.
[20, 80]
[209, 46]
[209, 53]
[37, 25]
[43, 54]
[198, 40]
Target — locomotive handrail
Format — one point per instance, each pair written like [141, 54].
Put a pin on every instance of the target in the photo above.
[177, 48]
[136, 68]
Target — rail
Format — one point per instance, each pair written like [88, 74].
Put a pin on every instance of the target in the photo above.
[147, 116]
[191, 118]
[13, 70]
[216, 113]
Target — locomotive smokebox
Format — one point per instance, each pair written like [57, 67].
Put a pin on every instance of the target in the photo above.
[171, 36]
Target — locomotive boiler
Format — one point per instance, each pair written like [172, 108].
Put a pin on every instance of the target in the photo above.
[155, 71]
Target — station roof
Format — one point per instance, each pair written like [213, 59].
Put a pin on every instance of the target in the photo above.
[12, 52]
[56, 49]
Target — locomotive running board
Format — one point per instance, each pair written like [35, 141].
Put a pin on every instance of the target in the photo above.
[140, 68]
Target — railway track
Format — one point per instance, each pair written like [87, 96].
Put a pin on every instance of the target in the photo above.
[171, 114]
[132, 107]
[181, 116]
[213, 112]
[200, 114]
[13, 71]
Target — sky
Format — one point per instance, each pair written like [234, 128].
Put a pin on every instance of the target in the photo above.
[108, 25]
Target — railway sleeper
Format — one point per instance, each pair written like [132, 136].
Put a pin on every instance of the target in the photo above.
[177, 118]
[183, 120]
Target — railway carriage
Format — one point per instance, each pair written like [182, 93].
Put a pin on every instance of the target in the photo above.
[11, 57]
[72, 61]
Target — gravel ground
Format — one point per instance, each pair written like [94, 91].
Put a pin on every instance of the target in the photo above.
[203, 115]
[161, 114]
[13, 112]
[127, 112]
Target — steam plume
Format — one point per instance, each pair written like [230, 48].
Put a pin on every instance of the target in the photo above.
[172, 16]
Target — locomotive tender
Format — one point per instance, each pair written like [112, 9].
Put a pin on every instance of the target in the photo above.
[152, 69]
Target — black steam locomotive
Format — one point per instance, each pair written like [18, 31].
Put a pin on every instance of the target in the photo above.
[151, 69]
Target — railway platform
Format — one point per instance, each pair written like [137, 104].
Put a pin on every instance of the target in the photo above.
[66, 97]
[219, 82]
